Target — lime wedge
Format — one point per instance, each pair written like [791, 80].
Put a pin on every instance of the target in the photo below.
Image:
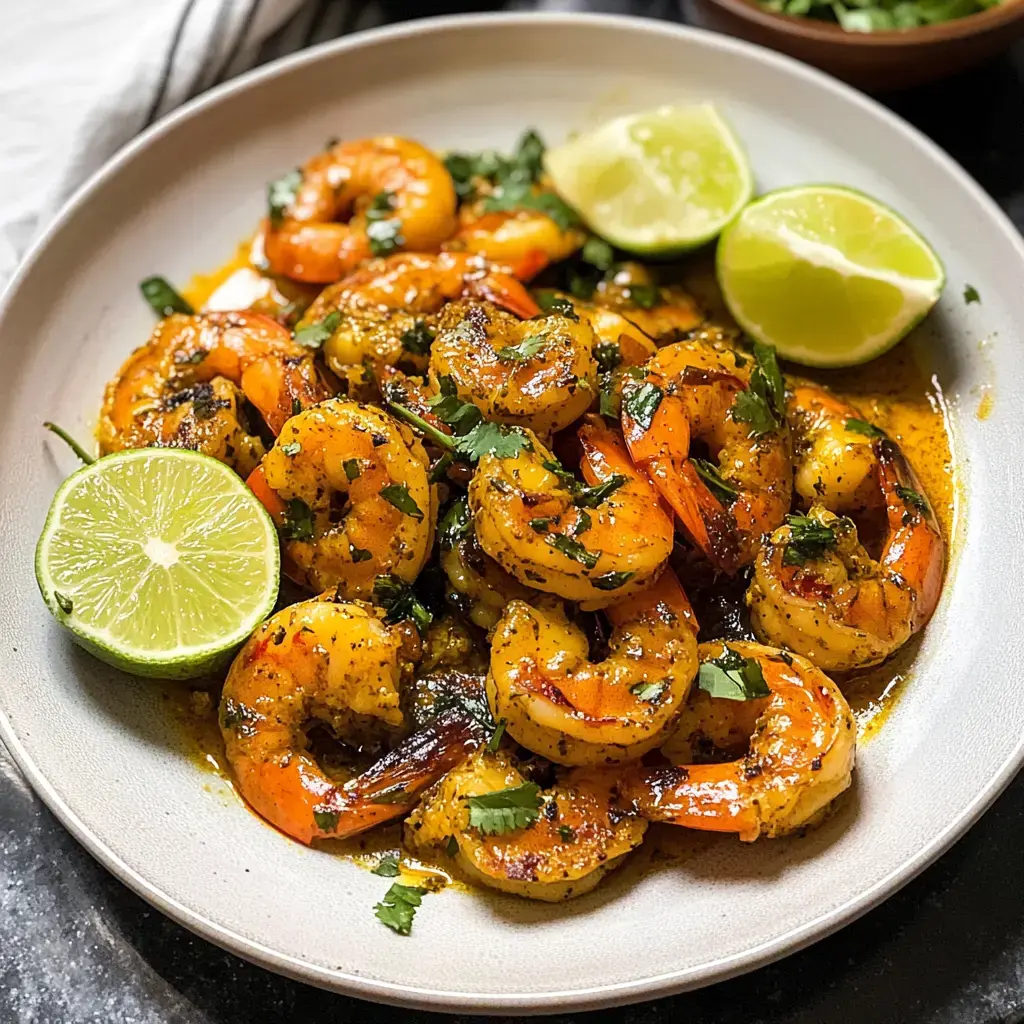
[159, 561]
[827, 275]
[660, 182]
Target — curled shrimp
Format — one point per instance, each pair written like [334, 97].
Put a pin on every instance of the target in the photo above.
[173, 390]
[570, 710]
[689, 394]
[588, 545]
[538, 374]
[579, 834]
[401, 183]
[666, 314]
[387, 308]
[834, 465]
[800, 754]
[340, 665]
[524, 240]
[817, 591]
[348, 488]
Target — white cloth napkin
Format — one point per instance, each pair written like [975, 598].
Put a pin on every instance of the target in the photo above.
[80, 78]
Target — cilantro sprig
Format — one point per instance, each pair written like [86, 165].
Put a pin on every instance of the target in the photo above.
[733, 677]
[505, 809]
[762, 407]
[808, 540]
[400, 602]
[163, 297]
[879, 15]
[398, 907]
[315, 334]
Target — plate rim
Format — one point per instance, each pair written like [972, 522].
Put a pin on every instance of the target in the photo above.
[595, 997]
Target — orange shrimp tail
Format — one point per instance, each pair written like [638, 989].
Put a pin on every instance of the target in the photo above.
[507, 293]
[914, 548]
[666, 597]
[531, 264]
[256, 481]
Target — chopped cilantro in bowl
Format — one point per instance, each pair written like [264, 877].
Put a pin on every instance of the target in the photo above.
[880, 15]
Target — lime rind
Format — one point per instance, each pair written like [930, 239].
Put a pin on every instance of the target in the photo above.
[659, 183]
[918, 292]
[174, 611]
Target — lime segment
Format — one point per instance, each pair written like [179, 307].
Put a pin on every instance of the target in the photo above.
[827, 275]
[659, 182]
[159, 561]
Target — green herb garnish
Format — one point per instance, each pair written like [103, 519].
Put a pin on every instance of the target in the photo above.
[397, 598]
[387, 866]
[763, 405]
[607, 355]
[519, 195]
[651, 693]
[291, 448]
[912, 498]
[298, 520]
[712, 477]
[523, 351]
[352, 470]
[549, 302]
[611, 580]
[382, 228]
[456, 525]
[863, 427]
[417, 339]
[646, 296]
[808, 540]
[495, 740]
[398, 908]
[733, 677]
[399, 496]
[326, 821]
[641, 403]
[281, 194]
[971, 294]
[505, 810]
[572, 549]
[591, 497]
[315, 334]
[598, 253]
[164, 299]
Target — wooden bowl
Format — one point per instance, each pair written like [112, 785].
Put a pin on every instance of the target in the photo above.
[875, 60]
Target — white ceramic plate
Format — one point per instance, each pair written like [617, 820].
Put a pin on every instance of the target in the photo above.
[97, 745]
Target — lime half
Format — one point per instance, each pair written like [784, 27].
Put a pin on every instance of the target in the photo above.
[827, 275]
[159, 561]
[661, 182]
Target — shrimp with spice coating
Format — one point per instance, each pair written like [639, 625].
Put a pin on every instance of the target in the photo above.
[698, 391]
[338, 664]
[596, 545]
[800, 756]
[833, 458]
[561, 705]
[348, 488]
[387, 310]
[575, 834]
[665, 314]
[536, 373]
[181, 389]
[817, 591]
[396, 192]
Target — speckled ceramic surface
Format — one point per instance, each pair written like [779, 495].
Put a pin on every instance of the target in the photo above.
[97, 745]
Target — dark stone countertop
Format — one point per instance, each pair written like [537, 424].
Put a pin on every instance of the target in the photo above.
[76, 947]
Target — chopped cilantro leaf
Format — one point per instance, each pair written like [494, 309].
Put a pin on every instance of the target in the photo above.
[863, 427]
[549, 302]
[641, 403]
[495, 740]
[611, 580]
[808, 539]
[491, 439]
[399, 496]
[971, 294]
[298, 521]
[315, 334]
[456, 525]
[359, 554]
[387, 866]
[398, 907]
[417, 339]
[326, 821]
[572, 549]
[398, 600]
[583, 523]
[651, 693]
[291, 448]
[566, 833]
[591, 497]
[505, 810]
[762, 405]
[520, 195]
[598, 253]
[733, 677]
[383, 230]
[522, 351]
[352, 470]
[164, 299]
[709, 473]
[646, 296]
[542, 525]
[281, 194]
[912, 498]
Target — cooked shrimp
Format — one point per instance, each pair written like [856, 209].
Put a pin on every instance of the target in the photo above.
[398, 183]
[338, 664]
[629, 345]
[160, 395]
[482, 588]
[799, 759]
[596, 547]
[817, 591]
[579, 835]
[666, 314]
[525, 240]
[382, 302]
[834, 466]
[538, 374]
[688, 394]
[348, 488]
[570, 710]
